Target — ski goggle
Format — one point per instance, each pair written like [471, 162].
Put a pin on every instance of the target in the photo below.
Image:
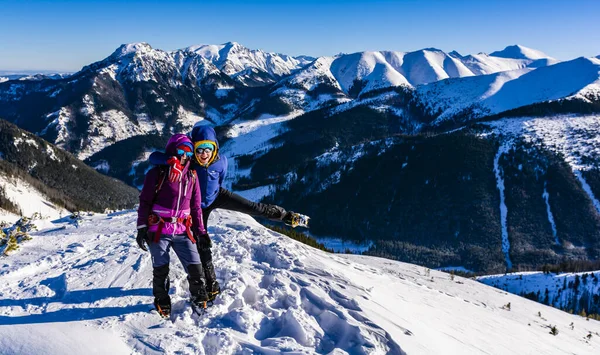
[181, 152]
[203, 150]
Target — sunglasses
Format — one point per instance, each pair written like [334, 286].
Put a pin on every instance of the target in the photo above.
[205, 150]
[181, 152]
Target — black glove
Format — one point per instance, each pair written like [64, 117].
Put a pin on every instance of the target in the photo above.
[142, 238]
[204, 240]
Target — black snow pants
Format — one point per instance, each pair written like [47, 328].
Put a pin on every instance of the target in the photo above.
[228, 200]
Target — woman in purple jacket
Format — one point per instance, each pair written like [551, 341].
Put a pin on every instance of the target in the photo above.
[211, 168]
[170, 216]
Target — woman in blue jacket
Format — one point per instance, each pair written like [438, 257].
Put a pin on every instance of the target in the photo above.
[211, 168]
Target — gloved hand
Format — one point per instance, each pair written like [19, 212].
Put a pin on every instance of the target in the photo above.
[204, 239]
[175, 169]
[142, 238]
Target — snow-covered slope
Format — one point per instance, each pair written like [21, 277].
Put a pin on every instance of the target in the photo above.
[520, 52]
[89, 288]
[28, 200]
[386, 68]
[35, 172]
[495, 93]
[568, 291]
[350, 75]
[574, 137]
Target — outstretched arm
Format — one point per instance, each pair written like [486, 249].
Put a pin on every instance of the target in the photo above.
[158, 158]
[175, 168]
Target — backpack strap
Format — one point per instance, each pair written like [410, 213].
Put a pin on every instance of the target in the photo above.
[152, 218]
[162, 176]
[193, 175]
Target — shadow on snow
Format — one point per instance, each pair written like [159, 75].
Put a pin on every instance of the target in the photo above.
[75, 297]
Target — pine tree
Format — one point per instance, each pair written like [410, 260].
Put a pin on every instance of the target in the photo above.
[12, 244]
[3, 238]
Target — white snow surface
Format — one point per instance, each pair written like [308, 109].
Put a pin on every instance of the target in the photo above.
[86, 289]
[28, 199]
[388, 68]
[507, 90]
[560, 293]
[520, 52]
[573, 136]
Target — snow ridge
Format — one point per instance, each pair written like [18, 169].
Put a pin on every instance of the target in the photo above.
[388, 68]
[519, 52]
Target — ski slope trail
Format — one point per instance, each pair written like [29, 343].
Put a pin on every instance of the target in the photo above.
[88, 290]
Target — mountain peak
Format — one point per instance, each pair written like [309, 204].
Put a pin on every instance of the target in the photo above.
[520, 52]
[130, 49]
[431, 49]
[455, 54]
[233, 45]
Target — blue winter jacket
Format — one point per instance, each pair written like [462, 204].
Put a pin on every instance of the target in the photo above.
[210, 177]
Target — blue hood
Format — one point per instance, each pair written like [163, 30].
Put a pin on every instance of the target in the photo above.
[204, 133]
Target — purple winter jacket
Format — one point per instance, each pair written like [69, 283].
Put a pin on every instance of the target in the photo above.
[175, 199]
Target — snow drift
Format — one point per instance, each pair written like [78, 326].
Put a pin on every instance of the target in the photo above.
[89, 288]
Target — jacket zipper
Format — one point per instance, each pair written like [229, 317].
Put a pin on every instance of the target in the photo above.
[177, 210]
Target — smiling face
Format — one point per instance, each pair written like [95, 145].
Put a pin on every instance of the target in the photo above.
[205, 152]
[204, 155]
[184, 153]
[183, 159]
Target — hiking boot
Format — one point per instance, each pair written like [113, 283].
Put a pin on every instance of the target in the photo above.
[294, 219]
[288, 218]
[213, 289]
[163, 306]
[199, 303]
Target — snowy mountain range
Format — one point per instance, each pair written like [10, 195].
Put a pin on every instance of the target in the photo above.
[139, 90]
[399, 132]
[246, 65]
[87, 289]
[6, 75]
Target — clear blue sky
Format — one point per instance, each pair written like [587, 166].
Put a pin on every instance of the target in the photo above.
[66, 35]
